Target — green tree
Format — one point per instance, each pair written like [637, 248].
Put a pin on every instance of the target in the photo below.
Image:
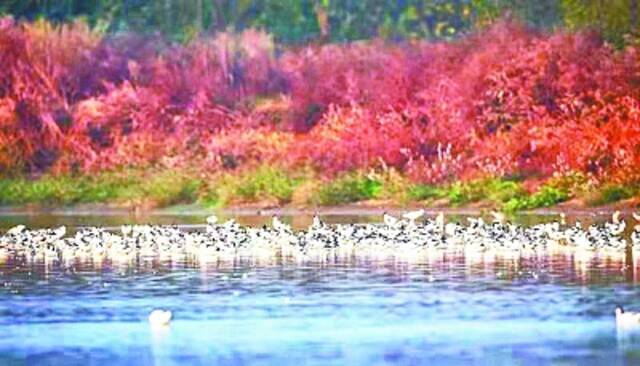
[539, 13]
[296, 21]
[614, 18]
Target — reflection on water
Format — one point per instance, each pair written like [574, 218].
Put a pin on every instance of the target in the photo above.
[453, 308]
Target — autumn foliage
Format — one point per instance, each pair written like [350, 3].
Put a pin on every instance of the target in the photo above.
[505, 101]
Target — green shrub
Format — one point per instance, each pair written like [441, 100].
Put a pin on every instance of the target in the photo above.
[263, 183]
[163, 188]
[423, 192]
[49, 190]
[545, 197]
[349, 188]
[503, 191]
[390, 185]
[168, 188]
[574, 183]
[495, 190]
[612, 193]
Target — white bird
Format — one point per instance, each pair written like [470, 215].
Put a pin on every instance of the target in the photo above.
[617, 227]
[635, 236]
[212, 220]
[16, 230]
[498, 217]
[126, 230]
[160, 318]
[627, 319]
[279, 225]
[413, 215]
[616, 217]
[440, 222]
[479, 222]
[390, 220]
[317, 223]
[59, 232]
[563, 218]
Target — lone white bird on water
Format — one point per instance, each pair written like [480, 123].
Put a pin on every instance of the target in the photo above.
[627, 319]
[160, 318]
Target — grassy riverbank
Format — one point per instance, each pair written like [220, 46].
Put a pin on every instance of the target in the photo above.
[236, 119]
[270, 187]
[502, 102]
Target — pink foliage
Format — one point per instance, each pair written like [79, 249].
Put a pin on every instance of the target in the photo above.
[503, 101]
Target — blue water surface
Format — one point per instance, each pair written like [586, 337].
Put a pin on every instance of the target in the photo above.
[453, 309]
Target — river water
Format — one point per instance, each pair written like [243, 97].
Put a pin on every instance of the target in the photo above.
[454, 309]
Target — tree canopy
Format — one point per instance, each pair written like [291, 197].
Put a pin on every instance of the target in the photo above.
[298, 21]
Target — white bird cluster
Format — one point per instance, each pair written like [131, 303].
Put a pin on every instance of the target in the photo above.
[408, 234]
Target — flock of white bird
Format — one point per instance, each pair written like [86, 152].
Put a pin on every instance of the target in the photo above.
[407, 235]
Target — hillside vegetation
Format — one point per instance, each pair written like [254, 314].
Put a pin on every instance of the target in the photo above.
[540, 117]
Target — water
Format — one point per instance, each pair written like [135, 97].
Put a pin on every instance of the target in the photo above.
[446, 309]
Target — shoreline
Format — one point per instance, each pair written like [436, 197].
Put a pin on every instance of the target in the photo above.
[273, 189]
[356, 209]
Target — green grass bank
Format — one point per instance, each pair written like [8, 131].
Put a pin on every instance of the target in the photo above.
[266, 186]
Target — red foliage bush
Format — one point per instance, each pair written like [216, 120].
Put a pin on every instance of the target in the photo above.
[371, 74]
[70, 99]
[504, 101]
[562, 102]
[37, 84]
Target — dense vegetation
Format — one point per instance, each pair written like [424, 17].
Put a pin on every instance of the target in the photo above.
[509, 114]
[330, 20]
